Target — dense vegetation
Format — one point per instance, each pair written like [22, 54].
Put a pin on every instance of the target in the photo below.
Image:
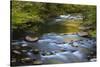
[37, 16]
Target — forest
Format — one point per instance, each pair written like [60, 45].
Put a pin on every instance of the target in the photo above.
[52, 33]
[36, 17]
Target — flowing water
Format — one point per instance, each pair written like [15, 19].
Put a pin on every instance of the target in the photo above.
[53, 48]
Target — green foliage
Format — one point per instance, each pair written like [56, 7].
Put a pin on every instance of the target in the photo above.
[36, 16]
[90, 15]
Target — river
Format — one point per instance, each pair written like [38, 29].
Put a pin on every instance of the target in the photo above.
[54, 48]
